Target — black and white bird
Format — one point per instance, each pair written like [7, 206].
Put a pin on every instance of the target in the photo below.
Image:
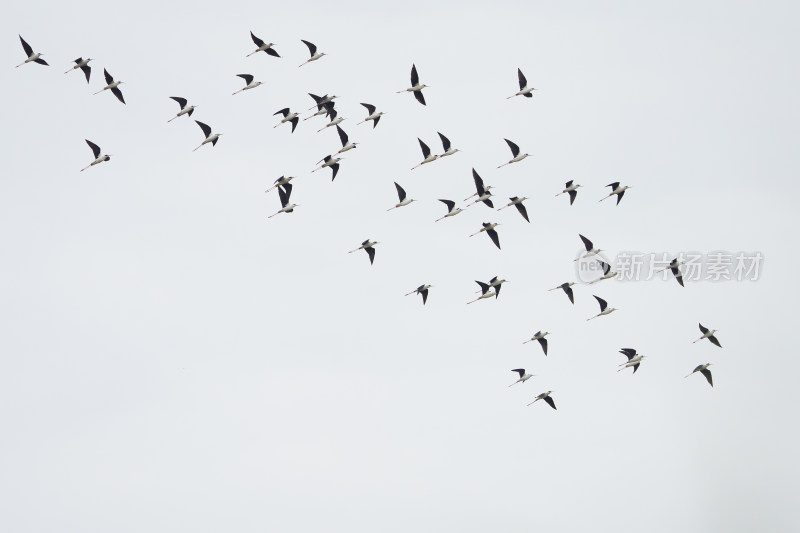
[675, 267]
[373, 115]
[288, 116]
[486, 292]
[634, 359]
[335, 120]
[483, 193]
[452, 210]
[326, 109]
[112, 86]
[708, 334]
[185, 109]
[32, 56]
[515, 152]
[210, 137]
[262, 47]
[446, 146]
[546, 397]
[248, 83]
[571, 189]
[346, 144]
[98, 158]
[567, 288]
[703, 369]
[321, 101]
[524, 90]
[488, 227]
[540, 337]
[332, 162]
[401, 195]
[607, 273]
[416, 86]
[367, 246]
[590, 249]
[285, 191]
[421, 290]
[283, 180]
[604, 308]
[517, 202]
[497, 283]
[523, 376]
[426, 154]
[312, 49]
[616, 189]
[82, 64]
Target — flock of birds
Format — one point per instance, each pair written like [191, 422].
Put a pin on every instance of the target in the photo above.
[325, 105]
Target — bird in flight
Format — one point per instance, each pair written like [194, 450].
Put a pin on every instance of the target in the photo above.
[703, 369]
[285, 191]
[210, 137]
[708, 334]
[367, 246]
[112, 85]
[312, 49]
[540, 337]
[185, 109]
[421, 290]
[546, 397]
[524, 90]
[416, 86]
[97, 157]
[82, 64]
[35, 57]
[567, 288]
[616, 189]
[523, 376]
[262, 47]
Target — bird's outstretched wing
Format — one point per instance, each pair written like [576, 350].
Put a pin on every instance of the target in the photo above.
[445, 142]
[370, 108]
[401, 193]
[514, 148]
[342, 135]
[118, 94]
[494, 236]
[522, 81]
[94, 147]
[256, 40]
[522, 211]
[181, 101]
[312, 48]
[205, 127]
[603, 303]
[26, 46]
[425, 150]
[420, 98]
[414, 75]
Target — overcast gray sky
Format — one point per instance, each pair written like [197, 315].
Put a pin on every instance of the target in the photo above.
[172, 360]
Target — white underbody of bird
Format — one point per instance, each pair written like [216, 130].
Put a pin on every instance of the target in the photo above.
[523, 376]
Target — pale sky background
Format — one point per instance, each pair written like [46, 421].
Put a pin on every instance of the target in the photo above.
[172, 361]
